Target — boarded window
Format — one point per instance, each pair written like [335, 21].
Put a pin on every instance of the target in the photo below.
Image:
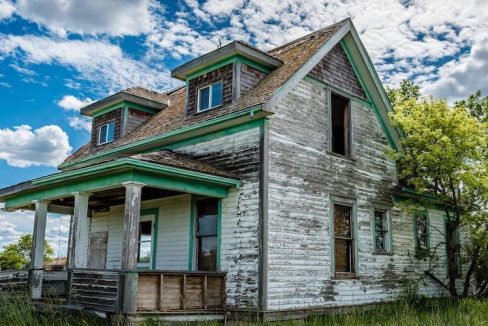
[340, 125]
[343, 239]
[421, 231]
[381, 232]
[207, 221]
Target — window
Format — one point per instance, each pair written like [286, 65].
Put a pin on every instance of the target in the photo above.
[343, 239]
[457, 254]
[106, 133]
[210, 96]
[207, 220]
[381, 232]
[144, 243]
[340, 133]
[421, 231]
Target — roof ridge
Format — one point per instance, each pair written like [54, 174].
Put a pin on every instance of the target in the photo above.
[310, 34]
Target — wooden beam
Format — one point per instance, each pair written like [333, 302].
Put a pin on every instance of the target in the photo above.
[37, 252]
[133, 192]
[79, 252]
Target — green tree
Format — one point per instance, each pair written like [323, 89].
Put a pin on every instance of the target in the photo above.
[17, 255]
[444, 153]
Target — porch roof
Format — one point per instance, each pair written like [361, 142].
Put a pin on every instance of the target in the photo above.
[163, 169]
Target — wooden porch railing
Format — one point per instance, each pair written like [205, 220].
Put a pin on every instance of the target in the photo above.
[15, 282]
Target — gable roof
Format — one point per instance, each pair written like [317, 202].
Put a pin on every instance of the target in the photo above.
[298, 57]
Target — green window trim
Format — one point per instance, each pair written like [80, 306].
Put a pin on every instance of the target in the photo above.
[154, 240]
[389, 244]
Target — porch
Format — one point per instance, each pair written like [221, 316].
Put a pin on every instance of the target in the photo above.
[116, 264]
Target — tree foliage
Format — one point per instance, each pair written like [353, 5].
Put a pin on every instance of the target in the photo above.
[17, 255]
[445, 154]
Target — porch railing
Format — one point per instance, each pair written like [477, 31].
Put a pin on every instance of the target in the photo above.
[158, 291]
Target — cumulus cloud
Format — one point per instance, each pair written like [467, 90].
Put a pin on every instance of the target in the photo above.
[24, 147]
[6, 9]
[98, 61]
[114, 18]
[80, 123]
[73, 103]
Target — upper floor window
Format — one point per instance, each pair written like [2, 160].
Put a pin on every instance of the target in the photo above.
[421, 231]
[106, 133]
[210, 96]
[340, 125]
[382, 243]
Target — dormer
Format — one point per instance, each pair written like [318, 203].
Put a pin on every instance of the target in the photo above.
[218, 78]
[120, 113]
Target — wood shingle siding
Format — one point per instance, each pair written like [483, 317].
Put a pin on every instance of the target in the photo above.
[249, 77]
[336, 69]
[135, 118]
[224, 74]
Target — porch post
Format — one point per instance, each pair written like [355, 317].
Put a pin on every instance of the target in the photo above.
[132, 212]
[37, 252]
[79, 228]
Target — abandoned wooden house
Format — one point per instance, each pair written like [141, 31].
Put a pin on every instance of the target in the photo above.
[260, 189]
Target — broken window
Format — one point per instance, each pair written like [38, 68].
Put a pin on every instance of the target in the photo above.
[210, 96]
[207, 221]
[381, 232]
[340, 125]
[421, 231]
[343, 239]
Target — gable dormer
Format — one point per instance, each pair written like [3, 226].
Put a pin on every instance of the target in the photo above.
[218, 78]
[117, 115]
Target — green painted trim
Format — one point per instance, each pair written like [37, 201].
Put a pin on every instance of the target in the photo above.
[357, 71]
[105, 109]
[191, 250]
[216, 65]
[218, 134]
[129, 163]
[219, 233]
[154, 244]
[181, 132]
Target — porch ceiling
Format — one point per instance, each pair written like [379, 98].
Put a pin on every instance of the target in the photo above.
[109, 176]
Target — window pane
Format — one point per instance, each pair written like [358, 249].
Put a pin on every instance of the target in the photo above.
[145, 229]
[144, 252]
[204, 98]
[381, 230]
[207, 254]
[207, 225]
[422, 232]
[110, 131]
[102, 137]
[343, 254]
[342, 221]
[380, 241]
[216, 94]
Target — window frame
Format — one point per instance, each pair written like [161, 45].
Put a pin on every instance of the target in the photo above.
[194, 237]
[425, 214]
[347, 202]
[389, 238]
[210, 94]
[146, 218]
[99, 140]
[349, 144]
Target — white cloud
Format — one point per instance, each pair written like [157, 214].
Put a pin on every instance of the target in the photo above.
[97, 61]
[24, 147]
[6, 9]
[72, 103]
[80, 123]
[114, 18]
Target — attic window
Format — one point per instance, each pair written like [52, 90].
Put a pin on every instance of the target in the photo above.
[106, 133]
[210, 96]
[340, 125]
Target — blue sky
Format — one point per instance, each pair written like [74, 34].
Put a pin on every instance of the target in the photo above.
[58, 55]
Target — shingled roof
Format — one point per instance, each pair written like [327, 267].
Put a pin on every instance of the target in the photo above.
[293, 55]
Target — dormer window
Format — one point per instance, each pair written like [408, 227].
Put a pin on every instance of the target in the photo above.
[210, 96]
[106, 133]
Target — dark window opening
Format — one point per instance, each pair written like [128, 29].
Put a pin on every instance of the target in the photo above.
[340, 125]
[381, 231]
[343, 239]
[207, 221]
[421, 232]
[457, 253]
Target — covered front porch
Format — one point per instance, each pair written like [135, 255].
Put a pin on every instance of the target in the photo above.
[144, 234]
